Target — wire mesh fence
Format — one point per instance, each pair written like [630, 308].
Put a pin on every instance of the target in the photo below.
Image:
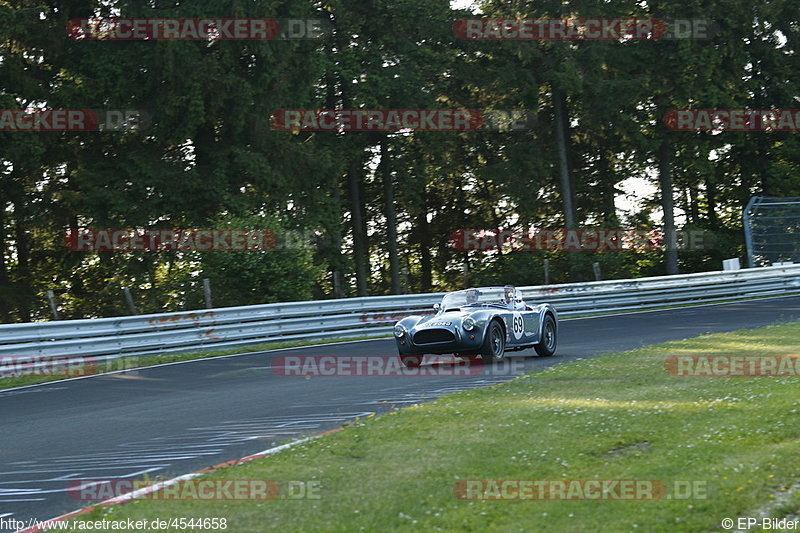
[772, 230]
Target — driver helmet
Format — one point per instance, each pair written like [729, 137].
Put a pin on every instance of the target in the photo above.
[508, 291]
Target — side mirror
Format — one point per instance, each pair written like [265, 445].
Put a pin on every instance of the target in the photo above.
[437, 306]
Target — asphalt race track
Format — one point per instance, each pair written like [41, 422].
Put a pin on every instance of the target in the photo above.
[173, 419]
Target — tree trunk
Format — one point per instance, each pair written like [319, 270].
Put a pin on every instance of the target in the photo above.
[334, 230]
[5, 286]
[23, 262]
[711, 201]
[426, 282]
[559, 108]
[357, 225]
[606, 177]
[694, 210]
[668, 205]
[560, 118]
[385, 172]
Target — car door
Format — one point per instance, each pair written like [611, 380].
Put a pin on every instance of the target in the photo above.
[522, 327]
[530, 321]
[524, 324]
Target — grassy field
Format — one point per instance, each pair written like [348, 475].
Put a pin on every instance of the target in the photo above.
[721, 447]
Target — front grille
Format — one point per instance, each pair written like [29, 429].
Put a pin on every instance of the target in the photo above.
[433, 335]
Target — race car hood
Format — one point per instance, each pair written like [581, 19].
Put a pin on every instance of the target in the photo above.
[449, 319]
[453, 317]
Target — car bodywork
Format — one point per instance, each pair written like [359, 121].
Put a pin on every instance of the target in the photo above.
[446, 332]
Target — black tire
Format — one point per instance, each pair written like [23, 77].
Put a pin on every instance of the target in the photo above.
[411, 361]
[547, 347]
[494, 344]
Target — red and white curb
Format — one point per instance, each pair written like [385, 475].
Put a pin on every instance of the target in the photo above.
[155, 487]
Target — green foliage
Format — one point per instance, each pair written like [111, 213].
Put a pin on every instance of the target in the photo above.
[210, 154]
[251, 277]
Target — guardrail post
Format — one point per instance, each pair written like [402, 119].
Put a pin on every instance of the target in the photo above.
[51, 298]
[129, 300]
[547, 272]
[597, 274]
[207, 292]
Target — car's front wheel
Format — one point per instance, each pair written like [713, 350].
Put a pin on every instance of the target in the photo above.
[494, 344]
[547, 345]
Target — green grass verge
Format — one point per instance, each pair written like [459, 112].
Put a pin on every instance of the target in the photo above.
[129, 363]
[618, 416]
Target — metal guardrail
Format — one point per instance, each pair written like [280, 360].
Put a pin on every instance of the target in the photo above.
[110, 338]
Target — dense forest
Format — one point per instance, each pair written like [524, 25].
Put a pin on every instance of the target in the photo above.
[375, 211]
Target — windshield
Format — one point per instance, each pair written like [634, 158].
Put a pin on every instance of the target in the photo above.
[482, 297]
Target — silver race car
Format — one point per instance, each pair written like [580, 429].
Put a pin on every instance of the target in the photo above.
[485, 322]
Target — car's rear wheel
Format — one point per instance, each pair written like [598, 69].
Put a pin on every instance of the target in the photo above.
[547, 346]
[411, 361]
[494, 344]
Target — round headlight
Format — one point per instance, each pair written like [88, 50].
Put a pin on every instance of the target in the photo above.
[468, 323]
[399, 331]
